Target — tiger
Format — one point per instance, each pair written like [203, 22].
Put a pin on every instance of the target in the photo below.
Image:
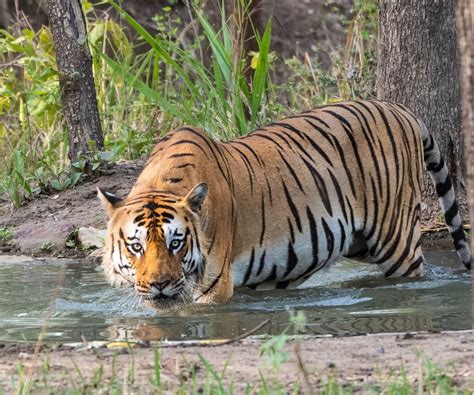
[270, 209]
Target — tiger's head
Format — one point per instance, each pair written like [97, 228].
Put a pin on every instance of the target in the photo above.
[154, 243]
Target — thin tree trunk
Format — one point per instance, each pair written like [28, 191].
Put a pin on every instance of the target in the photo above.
[465, 19]
[75, 77]
[418, 66]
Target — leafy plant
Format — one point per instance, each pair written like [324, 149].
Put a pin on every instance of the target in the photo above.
[144, 95]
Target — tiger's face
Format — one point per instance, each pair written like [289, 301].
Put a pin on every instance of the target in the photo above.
[154, 243]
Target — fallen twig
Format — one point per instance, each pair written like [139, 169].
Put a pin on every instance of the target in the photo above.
[216, 343]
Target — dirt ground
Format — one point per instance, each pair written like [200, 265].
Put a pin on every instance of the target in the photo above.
[358, 362]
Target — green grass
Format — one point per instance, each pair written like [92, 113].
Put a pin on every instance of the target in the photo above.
[143, 95]
[6, 234]
[202, 377]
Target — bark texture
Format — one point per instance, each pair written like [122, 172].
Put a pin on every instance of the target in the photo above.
[465, 18]
[418, 66]
[75, 76]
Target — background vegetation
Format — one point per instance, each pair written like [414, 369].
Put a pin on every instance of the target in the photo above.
[144, 94]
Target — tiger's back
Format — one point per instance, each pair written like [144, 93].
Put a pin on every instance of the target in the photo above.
[289, 198]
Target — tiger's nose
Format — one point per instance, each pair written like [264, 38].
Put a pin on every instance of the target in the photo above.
[160, 285]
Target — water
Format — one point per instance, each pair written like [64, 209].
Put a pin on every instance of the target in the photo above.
[71, 301]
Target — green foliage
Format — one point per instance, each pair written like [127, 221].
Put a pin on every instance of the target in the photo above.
[6, 235]
[168, 82]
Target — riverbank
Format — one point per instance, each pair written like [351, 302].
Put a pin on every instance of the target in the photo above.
[387, 363]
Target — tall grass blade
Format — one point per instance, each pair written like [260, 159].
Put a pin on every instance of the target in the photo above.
[146, 91]
[156, 45]
[220, 52]
[261, 72]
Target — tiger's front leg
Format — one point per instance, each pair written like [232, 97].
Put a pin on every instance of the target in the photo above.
[216, 285]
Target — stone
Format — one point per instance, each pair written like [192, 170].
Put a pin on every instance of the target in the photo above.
[36, 239]
[91, 238]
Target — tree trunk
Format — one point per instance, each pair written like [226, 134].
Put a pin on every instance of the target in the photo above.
[75, 77]
[418, 66]
[465, 19]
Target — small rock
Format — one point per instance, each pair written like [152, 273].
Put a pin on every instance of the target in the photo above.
[380, 350]
[91, 238]
[331, 365]
[43, 238]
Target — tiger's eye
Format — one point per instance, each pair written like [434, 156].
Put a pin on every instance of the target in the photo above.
[136, 247]
[175, 244]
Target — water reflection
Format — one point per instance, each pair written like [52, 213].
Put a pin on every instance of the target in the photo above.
[70, 301]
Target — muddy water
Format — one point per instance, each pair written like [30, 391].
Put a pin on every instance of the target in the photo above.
[71, 301]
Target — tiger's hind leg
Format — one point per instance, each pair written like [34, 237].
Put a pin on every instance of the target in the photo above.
[396, 244]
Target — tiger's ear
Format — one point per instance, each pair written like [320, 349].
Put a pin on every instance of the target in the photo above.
[109, 201]
[196, 196]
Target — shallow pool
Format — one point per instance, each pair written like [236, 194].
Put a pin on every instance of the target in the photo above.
[70, 301]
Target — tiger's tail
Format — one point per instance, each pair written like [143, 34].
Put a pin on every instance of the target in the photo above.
[444, 188]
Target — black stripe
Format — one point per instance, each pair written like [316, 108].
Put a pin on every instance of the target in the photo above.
[113, 248]
[248, 166]
[272, 275]
[184, 165]
[375, 205]
[191, 142]
[343, 235]
[293, 208]
[329, 237]
[427, 148]
[413, 266]
[310, 141]
[167, 215]
[367, 108]
[196, 238]
[212, 147]
[321, 185]
[270, 195]
[216, 279]
[291, 261]
[451, 213]
[269, 138]
[293, 173]
[442, 188]
[292, 232]
[406, 251]
[326, 135]
[313, 230]
[282, 284]
[179, 155]
[213, 239]
[350, 135]
[351, 214]
[458, 236]
[435, 167]
[174, 180]
[316, 118]
[249, 267]
[340, 198]
[342, 159]
[252, 151]
[261, 264]
[139, 218]
[262, 205]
